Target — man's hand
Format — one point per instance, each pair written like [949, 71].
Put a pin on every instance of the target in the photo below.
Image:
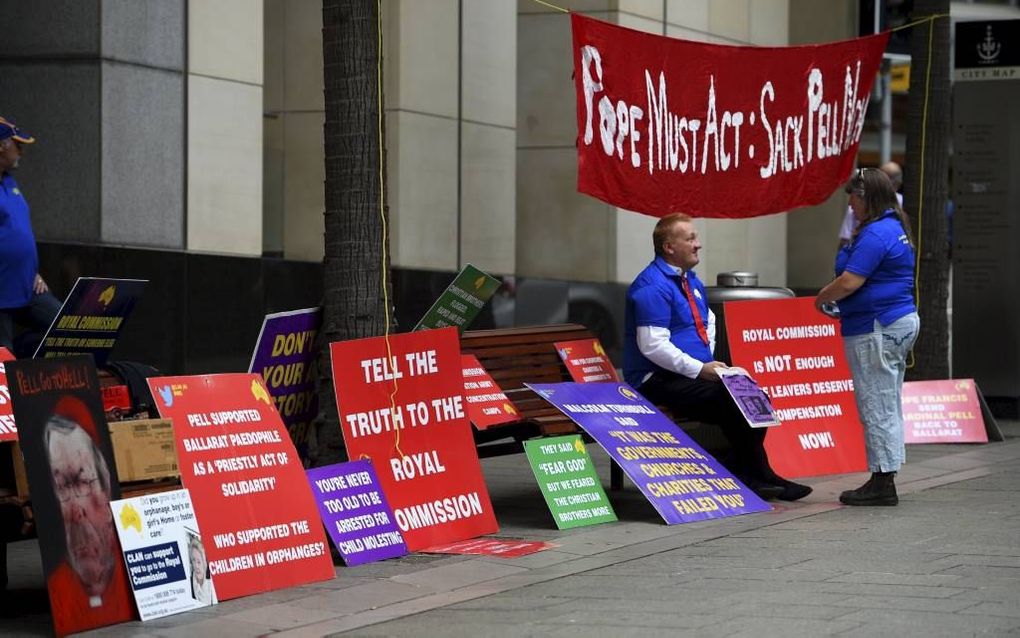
[709, 371]
[39, 286]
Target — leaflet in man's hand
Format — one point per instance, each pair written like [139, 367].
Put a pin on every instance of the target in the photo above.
[754, 404]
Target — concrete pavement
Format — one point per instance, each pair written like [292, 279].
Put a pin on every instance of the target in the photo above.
[945, 562]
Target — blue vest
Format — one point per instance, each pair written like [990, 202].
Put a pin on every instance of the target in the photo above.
[656, 299]
[19, 261]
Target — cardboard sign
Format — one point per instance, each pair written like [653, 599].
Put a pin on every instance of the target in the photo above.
[164, 553]
[8, 429]
[586, 361]
[754, 404]
[796, 354]
[568, 481]
[285, 355]
[487, 405]
[461, 302]
[945, 411]
[91, 318]
[499, 547]
[682, 482]
[246, 481]
[401, 404]
[73, 477]
[355, 512]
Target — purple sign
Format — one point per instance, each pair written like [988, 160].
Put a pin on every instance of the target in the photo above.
[285, 356]
[754, 404]
[681, 481]
[355, 512]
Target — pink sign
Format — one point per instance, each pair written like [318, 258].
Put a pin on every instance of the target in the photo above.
[945, 411]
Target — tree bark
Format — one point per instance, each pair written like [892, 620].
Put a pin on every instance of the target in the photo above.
[356, 284]
[926, 183]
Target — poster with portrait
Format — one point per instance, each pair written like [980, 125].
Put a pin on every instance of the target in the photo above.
[72, 476]
[164, 553]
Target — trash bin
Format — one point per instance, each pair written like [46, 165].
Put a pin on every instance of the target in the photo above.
[736, 286]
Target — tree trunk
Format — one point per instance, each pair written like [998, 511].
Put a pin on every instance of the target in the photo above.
[355, 266]
[926, 184]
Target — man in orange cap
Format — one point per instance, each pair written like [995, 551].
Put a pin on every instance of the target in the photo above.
[25, 299]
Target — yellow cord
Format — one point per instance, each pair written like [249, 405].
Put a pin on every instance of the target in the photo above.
[930, 18]
[552, 6]
[382, 216]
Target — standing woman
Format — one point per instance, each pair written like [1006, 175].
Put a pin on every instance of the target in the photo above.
[874, 286]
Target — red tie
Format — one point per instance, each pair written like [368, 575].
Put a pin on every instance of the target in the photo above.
[694, 310]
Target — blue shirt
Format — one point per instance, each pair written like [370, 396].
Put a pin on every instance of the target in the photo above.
[883, 255]
[655, 299]
[19, 261]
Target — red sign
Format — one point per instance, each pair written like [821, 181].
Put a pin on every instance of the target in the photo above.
[586, 361]
[503, 548]
[116, 401]
[486, 403]
[796, 355]
[401, 404]
[944, 411]
[666, 125]
[8, 431]
[254, 505]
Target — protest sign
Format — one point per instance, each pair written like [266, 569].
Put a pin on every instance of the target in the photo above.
[91, 318]
[462, 300]
[498, 547]
[250, 492]
[586, 361]
[487, 405]
[73, 477]
[754, 404]
[796, 354]
[164, 553]
[401, 404]
[8, 430]
[568, 481]
[944, 411]
[682, 482]
[667, 125]
[355, 512]
[285, 355]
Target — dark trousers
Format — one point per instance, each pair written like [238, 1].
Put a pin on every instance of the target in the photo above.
[709, 402]
[36, 318]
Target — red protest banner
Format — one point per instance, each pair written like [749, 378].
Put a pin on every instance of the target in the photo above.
[586, 361]
[796, 355]
[945, 411]
[8, 430]
[486, 403]
[401, 405]
[250, 493]
[667, 125]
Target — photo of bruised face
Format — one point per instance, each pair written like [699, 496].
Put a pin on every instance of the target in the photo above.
[81, 482]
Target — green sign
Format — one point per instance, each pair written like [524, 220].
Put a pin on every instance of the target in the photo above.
[571, 487]
[461, 301]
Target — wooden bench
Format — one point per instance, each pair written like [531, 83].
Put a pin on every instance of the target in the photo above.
[515, 356]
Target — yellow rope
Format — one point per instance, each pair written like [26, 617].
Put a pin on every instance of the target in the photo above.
[930, 18]
[552, 6]
[382, 215]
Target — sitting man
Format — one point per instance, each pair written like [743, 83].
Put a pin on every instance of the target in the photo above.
[669, 340]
